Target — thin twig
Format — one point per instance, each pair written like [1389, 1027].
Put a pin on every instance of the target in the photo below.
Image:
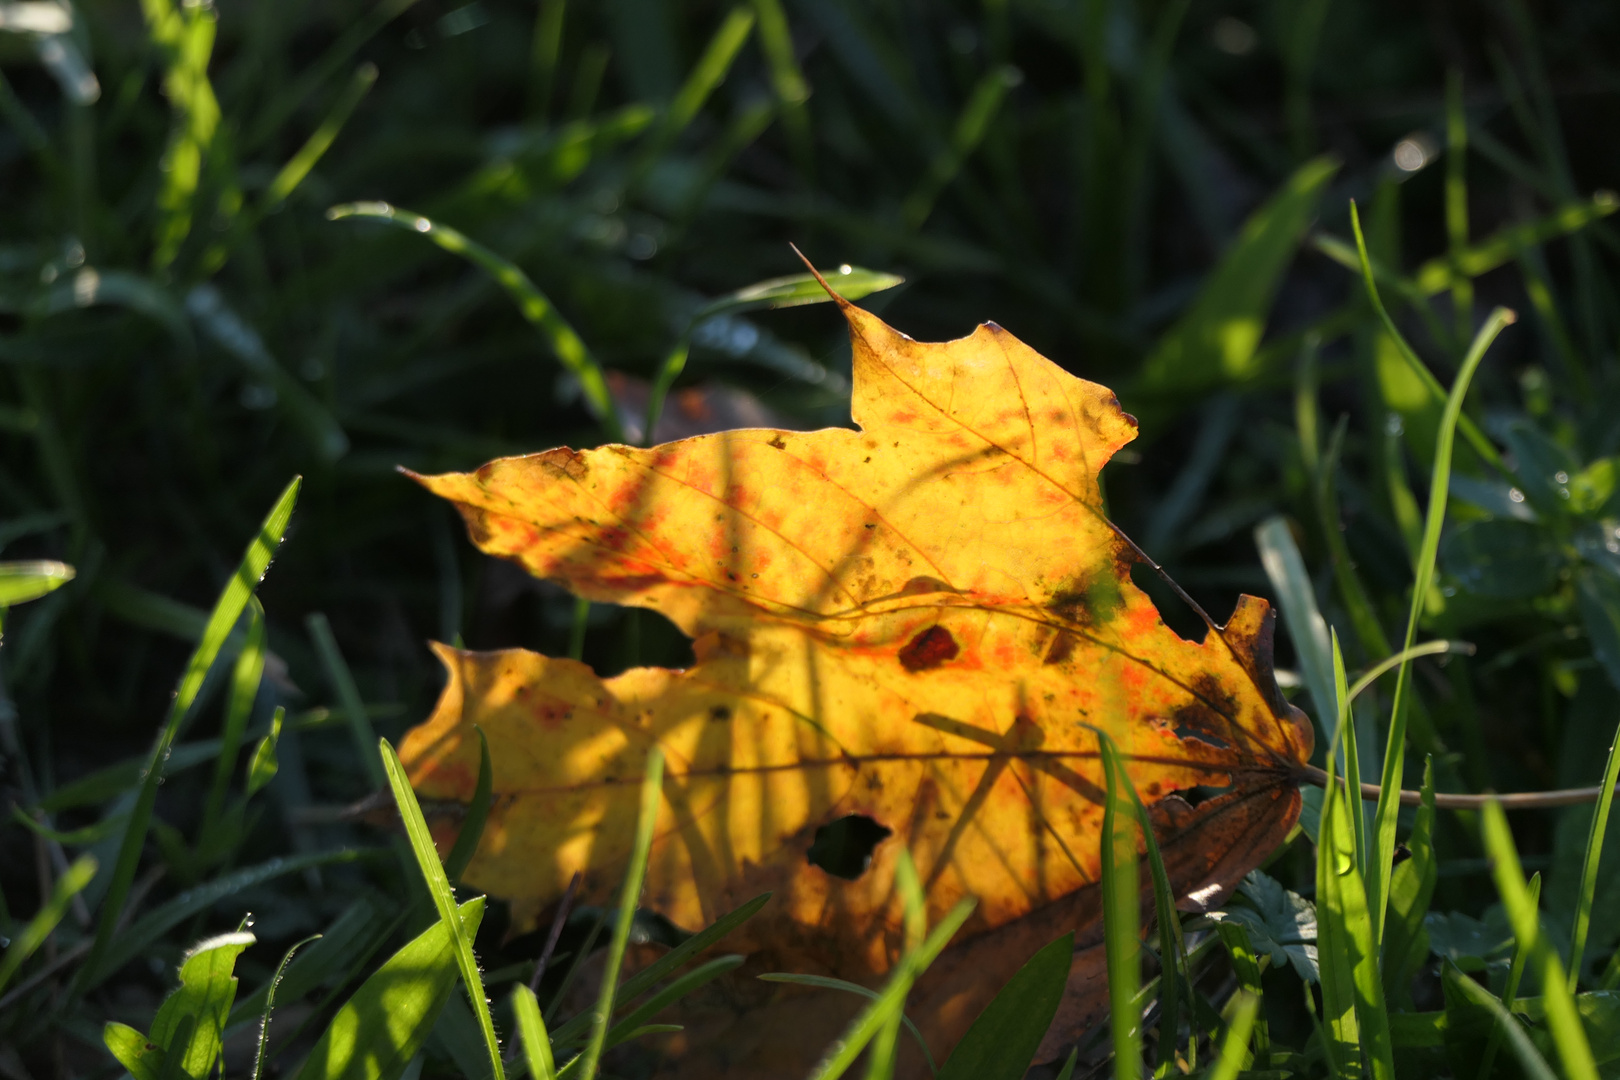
[1521, 800]
[557, 922]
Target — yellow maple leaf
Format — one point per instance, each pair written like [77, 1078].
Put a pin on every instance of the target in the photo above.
[917, 623]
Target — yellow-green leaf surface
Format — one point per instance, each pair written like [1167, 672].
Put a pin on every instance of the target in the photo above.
[919, 621]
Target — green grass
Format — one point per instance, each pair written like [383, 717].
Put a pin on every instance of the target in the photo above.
[1157, 195]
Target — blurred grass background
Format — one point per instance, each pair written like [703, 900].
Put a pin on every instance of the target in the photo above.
[1153, 194]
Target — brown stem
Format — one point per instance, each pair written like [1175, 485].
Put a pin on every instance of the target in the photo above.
[1523, 800]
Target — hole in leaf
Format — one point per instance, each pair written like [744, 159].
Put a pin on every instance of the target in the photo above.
[844, 848]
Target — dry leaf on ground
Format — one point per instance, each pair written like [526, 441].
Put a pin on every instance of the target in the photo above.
[917, 623]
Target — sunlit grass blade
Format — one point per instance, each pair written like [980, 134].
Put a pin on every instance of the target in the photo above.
[1589, 869]
[245, 679]
[1564, 1023]
[1235, 1043]
[263, 765]
[270, 1003]
[444, 898]
[652, 789]
[1246, 968]
[569, 348]
[1510, 989]
[1121, 943]
[227, 609]
[532, 1031]
[21, 582]
[320, 140]
[1383, 853]
[44, 921]
[385, 1022]
[472, 826]
[865, 1026]
[1475, 438]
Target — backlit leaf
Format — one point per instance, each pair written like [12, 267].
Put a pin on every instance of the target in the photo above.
[906, 633]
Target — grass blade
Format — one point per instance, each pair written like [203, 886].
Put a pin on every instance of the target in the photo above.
[444, 899]
[245, 679]
[1303, 620]
[227, 609]
[532, 1030]
[1510, 989]
[1236, 1043]
[1530, 1060]
[651, 793]
[1563, 1021]
[1121, 943]
[1589, 871]
[1475, 438]
[826, 982]
[472, 826]
[44, 921]
[383, 1025]
[569, 348]
[269, 1004]
[21, 582]
[1383, 853]
[846, 1049]
[354, 709]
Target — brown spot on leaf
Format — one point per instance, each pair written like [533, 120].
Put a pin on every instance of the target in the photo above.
[929, 649]
[1062, 648]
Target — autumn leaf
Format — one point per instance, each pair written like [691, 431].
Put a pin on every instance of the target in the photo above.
[912, 627]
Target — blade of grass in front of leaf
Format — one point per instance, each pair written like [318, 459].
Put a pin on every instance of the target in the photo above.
[532, 1030]
[1530, 1060]
[45, 919]
[245, 679]
[569, 348]
[825, 982]
[472, 826]
[1342, 1040]
[1510, 989]
[21, 582]
[1382, 856]
[270, 1004]
[227, 609]
[846, 1049]
[655, 972]
[1352, 760]
[385, 1022]
[354, 708]
[1475, 438]
[444, 898]
[1235, 1043]
[1563, 1021]
[1589, 870]
[652, 788]
[678, 988]
[1121, 944]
